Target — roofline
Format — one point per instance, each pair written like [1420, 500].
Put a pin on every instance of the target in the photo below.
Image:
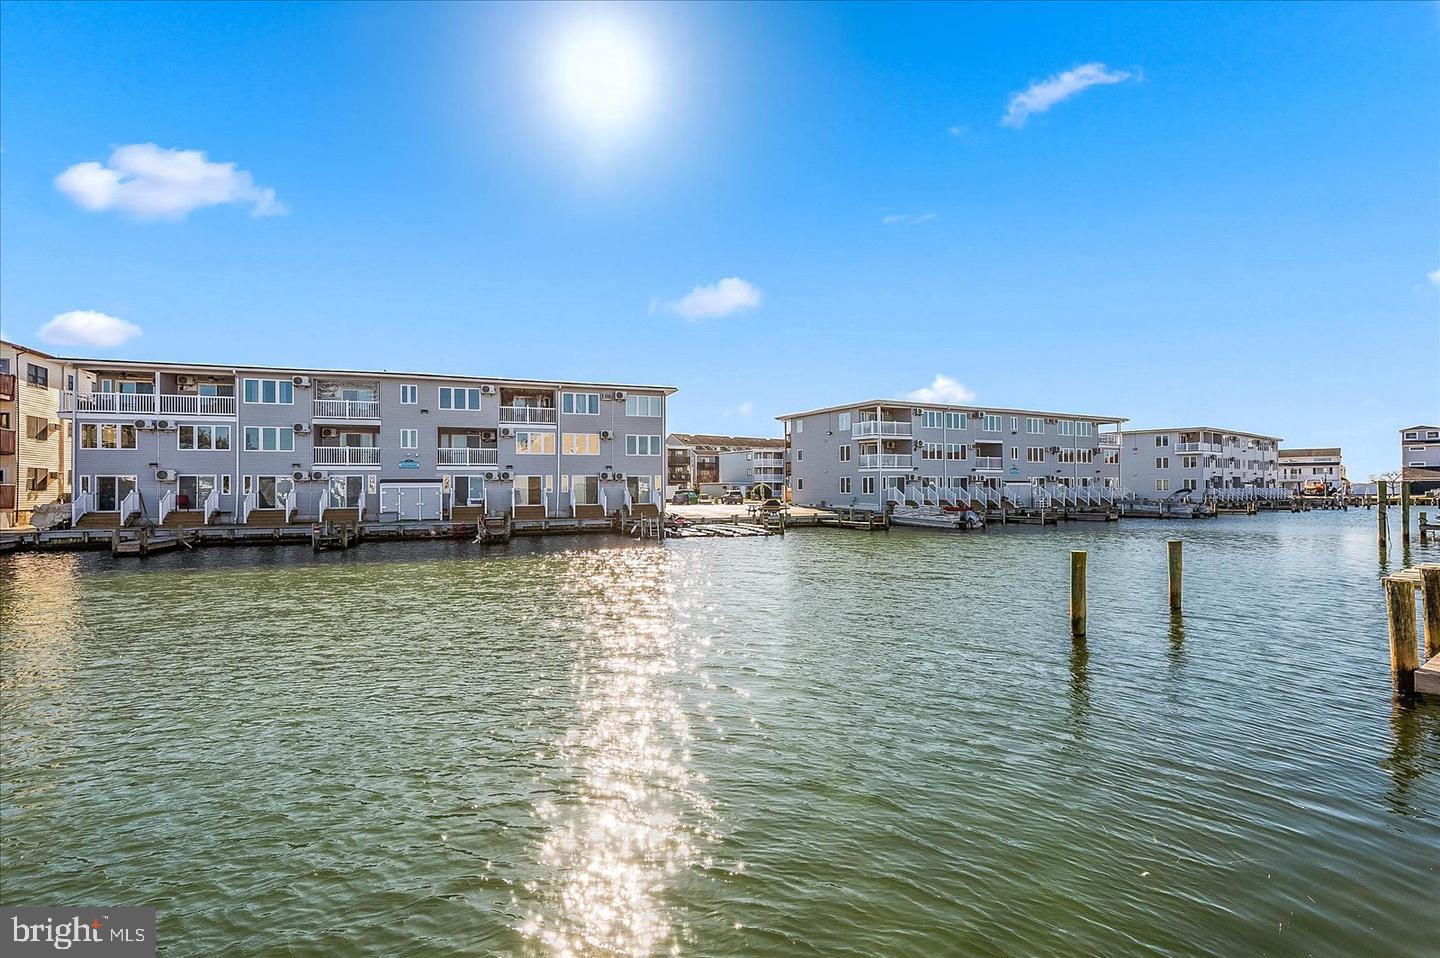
[1421, 426]
[915, 403]
[1235, 432]
[215, 368]
[32, 351]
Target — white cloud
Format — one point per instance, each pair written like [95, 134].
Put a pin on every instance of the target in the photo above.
[718, 299]
[1041, 95]
[746, 408]
[908, 218]
[942, 389]
[85, 327]
[958, 130]
[150, 182]
[1434, 277]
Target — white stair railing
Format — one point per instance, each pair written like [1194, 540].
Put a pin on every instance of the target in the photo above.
[289, 504]
[604, 502]
[167, 505]
[360, 508]
[252, 499]
[572, 503]
[629, 501]
[211, 506]
[84, 502]
[129, 505]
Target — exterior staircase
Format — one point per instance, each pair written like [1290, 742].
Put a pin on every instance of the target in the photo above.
[184, 519]
[99, 520]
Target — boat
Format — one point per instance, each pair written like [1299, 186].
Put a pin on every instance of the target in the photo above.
[936, 517]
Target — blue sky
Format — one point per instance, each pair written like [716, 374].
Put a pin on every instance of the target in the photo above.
[1238, 228]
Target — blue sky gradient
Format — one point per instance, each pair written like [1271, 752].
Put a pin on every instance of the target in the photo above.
[1241, 233]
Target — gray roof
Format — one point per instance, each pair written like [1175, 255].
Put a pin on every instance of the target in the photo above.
[1228, 432]
[917, 404]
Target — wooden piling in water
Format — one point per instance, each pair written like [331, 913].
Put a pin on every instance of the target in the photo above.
[1176, 565]
[1404, 514]
[1380, 499]
[1077, 594]
[1424, 521]
[1404, 654]
[1430, 586]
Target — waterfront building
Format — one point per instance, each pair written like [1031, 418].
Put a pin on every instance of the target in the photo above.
[1313, 472]
[1199, 462]
[186, 443]
[35, 464]
[868, 454]
[693, 461]
[1420, 457]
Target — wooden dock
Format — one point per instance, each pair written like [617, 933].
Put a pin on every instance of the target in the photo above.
[1416, 670]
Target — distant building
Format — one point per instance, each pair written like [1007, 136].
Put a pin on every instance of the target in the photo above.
[694, 461]
[35, 464]
[1201, 461]
[1420, 457]
[1315, 472]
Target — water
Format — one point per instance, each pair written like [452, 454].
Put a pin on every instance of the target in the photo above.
[823, 744]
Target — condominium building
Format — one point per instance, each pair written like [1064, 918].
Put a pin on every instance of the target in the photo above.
[192, 443]
[1315, 472]
[694, 461]
[1202, 461]
[871, 453]
[1420, 457]
[35, 461]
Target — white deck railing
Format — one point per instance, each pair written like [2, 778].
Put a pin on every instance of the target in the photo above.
[879, 427]
[107, 402]
[83, 502]
[248, 505]
[211, 506]
[527, 414]
[886, 461]
[347, 455]
[167, 505]
[289, 503]
[989, 462]
[465, 456]
[129, 506]
[193, 404]
[1197, 447]
[347, 409]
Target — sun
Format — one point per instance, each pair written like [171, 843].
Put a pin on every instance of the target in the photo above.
[602, 77]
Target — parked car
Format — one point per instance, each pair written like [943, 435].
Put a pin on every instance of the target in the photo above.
[683, 497]
[733, 497]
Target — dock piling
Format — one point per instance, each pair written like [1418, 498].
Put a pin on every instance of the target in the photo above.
[1077, 594]
[1381, 488]
[1404, 654]
[1424, 532]
[1176, 565]
[1430, 586]
[1404, 514]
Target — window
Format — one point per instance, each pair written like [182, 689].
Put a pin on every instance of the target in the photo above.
[203, 437]
[269, 439]
[992, 423]
[1412, 435]
[843, 424]
[1162, 462]
[931, 419]
[642, 405]
[1014, 423]
[1162, 441]
[460, 397]
[409, 394]
[1190, 485]
[956, 451]
[867, 485]
[225, 485]
[1034, 425]
[1035, 454]
[1014, 453]
[106, 436]
[845, 453]
[799, 425]
[409, 439]
[932, 450]
[534, 443]
[37, 375]
[955, 420]
[800, 485]
[1065, 427]
[580, 404]
[642, 445]
[581, 443]
[799, 455]
[1189, 462]
[37, 427]
[1085, 428]
[1162, 485]
[270, 392]
[845, 485]
[36, 478]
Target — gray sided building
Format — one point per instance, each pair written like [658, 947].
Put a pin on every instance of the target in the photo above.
[1420, 457]
[1199, 462]
[1316, 471]
[870, 453]
[701, 462]
[223, 443]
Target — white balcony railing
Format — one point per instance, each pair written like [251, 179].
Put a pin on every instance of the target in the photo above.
[466, 456]
[212, 505]
[1109, 439]
[1196, 447]
[886, 461]
[289, 503]
[167, 505]
[879, 427]
[248, 505]
[347, 409]
[527, 414]
[993, 463]
[192, 404]
[129, 505]
[83, 502]
[347, 455]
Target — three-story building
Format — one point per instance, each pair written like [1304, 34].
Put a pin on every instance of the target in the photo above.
[1315, 472]
[35, 465]
[1420, 457]
[183, 443]
[1199, 462]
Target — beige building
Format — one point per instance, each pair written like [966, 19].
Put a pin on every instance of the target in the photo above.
[34, 441]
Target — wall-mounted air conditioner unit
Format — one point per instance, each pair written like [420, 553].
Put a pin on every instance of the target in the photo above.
[487, 390]
[317, 475]
[918, 411]
[164, 424]
[300, 380]
[491, 476]
[606, 434]
[140, 424]
[329, 433]
[301, 428]
[619, 394]
[605, 474]
[164, 475]
[298, 476]
[185, 380]
[505, 475]
[487, 435]
[507, 433]
[619, 476]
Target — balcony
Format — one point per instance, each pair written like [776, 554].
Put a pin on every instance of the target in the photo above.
[193, 404]
[347, 455]
[886, 461]
[1196, 447]
[989, 463]
[1109, 439]
[7, 386]
[7, 442]
[118, 403]
[347, 409]
[528, 414]
[465, 456]
[879, 427]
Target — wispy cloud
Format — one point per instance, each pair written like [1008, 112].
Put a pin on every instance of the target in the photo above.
[1041, 95]
[1434, 277]
[958, 130]
[729, 295]
[150, 182]
[746, 408]
[85, 327]
[908, 218]
[942, 389]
